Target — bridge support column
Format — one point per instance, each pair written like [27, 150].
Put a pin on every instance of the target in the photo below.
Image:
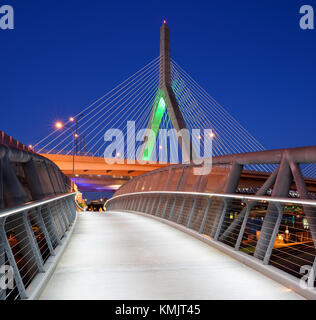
[272, 218]
[165, 92]
[243, 215]
[231, 186]
[309, 212]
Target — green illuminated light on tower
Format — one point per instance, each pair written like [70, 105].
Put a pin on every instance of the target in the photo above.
[160, 110]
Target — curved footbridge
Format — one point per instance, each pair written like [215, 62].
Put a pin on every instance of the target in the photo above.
[120, 255]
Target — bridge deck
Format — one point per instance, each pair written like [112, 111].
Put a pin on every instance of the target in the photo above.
[126, 256]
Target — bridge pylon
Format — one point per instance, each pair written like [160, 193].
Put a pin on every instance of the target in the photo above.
[166, 101]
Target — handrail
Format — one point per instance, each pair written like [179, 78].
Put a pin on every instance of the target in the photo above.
[31, 205]
[226, 195]
[32, 237]
[277, 236]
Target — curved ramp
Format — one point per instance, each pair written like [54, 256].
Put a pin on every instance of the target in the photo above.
[116, 255]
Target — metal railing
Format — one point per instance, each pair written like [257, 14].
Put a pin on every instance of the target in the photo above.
[30, 234]
[10, 142]
[237, 221]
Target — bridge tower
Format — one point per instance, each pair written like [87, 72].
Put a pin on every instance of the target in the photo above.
[165, 101]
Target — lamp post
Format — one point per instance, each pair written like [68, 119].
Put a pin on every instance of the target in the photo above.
[60, 125]
[76, 120]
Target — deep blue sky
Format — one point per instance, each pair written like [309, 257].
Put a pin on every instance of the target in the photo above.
[251, 56]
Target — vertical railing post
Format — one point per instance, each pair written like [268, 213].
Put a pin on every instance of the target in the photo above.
[139, 203]
[182, 207]
[243, 227]
[312, 275]
[191, 212]
[205, 215]
[133, 203]
[8, 251]
[71, 213]
[147, 206]
[45, 231]
[165, 208]
[33, 243]
[144, 203]
[63, 228]
[157, 210]
[274, 233]
[2, 263]
[60, 212]
[153, 205]
[221, 220]
[53, 223]
[172, 208]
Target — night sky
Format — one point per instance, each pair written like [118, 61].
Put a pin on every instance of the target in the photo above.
[251, 56]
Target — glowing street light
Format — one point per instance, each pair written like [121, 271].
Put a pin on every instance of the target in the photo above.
[75, 120]
[60, 125]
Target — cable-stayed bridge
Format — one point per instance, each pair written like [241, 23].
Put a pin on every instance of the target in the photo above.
[161, 95]
[255, 205]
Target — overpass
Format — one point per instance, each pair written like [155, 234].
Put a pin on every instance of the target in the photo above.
[96, 174]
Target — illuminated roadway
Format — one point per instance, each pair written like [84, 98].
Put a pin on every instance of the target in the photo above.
[116, 255]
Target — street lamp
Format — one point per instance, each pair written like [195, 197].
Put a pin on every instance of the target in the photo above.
[60, 125]
[76, 120]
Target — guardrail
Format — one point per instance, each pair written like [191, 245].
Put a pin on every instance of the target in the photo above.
[10, 142]
[235, 222]
[31, 235]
